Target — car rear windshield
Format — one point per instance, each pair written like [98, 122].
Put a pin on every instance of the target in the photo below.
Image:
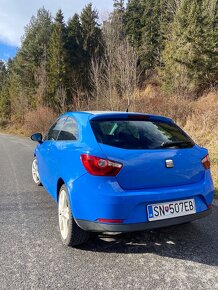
[140, 134]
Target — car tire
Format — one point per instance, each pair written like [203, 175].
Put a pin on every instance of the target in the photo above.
[35, 173]
[71, 234]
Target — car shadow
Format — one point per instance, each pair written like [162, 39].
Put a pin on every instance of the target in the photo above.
[196, 241]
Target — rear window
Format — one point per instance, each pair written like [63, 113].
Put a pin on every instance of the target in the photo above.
[140, 134]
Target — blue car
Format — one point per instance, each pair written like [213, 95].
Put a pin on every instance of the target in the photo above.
[121, 172]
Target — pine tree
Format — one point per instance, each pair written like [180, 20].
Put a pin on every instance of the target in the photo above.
[74, 39]
[174, 73]
[36, 37]
[91, 32]
[5, 101]
[187, 56]
[2, 74]
[147, 26]
[91, 40]
[151, 44]
[57, 61]
[28, 57]
[133, 23]
[119, 6]
[210, 9]
[195, 56]
[75, 51]
[117, 19]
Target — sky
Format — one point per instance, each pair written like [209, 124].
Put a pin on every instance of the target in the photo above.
[16, 14]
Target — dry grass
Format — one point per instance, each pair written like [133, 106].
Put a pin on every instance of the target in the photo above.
[202, 125]
[38, 120]
[151, 101]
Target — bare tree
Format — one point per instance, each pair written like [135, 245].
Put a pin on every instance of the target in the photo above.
[79, 98]
[61, 97]
[20, 106]
[110, 45]
[97, 79]
[126, 61]
[114, 77]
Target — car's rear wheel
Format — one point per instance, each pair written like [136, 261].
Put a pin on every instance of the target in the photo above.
[35, 173]
[71, 233]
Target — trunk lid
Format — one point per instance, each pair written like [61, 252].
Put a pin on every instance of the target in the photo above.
[154, 151]
[147, 168]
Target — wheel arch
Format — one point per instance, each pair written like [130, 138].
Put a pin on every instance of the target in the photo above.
[59, 184]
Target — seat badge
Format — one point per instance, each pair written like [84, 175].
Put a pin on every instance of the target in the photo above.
[169, 163]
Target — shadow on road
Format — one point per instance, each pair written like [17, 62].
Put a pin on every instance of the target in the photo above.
[196, 241]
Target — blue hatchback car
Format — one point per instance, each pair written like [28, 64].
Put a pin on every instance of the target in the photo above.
[121, 172]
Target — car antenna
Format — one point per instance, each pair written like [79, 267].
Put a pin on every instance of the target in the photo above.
[129, 104]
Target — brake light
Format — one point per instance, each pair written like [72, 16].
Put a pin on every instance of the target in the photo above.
[138, 117]
[101, 220]
[206, 162]
[99, 166]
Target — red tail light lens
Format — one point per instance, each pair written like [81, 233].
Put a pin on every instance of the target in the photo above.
[110, 221]
[206, 162]
[99, 166]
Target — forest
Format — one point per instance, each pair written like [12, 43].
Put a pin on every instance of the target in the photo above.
[66, 65]
[154, 56]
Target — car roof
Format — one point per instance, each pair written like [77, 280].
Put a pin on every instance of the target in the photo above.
[101, 112]
[98, 114]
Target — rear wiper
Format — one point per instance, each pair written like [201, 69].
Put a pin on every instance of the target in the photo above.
[175, 143]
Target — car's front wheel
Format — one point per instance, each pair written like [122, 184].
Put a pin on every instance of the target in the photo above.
[35, 173]
[71, 233]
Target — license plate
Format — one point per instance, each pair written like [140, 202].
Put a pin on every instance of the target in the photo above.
[167, 210]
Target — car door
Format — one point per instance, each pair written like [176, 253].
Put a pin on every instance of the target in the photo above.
[67, 150]
[46, 157]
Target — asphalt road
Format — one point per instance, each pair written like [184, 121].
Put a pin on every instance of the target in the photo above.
[33, 257]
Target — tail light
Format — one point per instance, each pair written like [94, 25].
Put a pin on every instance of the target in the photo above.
[109, 221]
[206, 162]
[99, 166]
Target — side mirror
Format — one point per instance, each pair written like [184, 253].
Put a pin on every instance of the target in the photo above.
[37, 137]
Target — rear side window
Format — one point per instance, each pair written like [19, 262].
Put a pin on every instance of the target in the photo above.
[140, 134]
[69, 131]
[53, 132]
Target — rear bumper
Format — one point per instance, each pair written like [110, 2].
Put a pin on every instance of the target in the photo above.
[93, 197]
[134, 227]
